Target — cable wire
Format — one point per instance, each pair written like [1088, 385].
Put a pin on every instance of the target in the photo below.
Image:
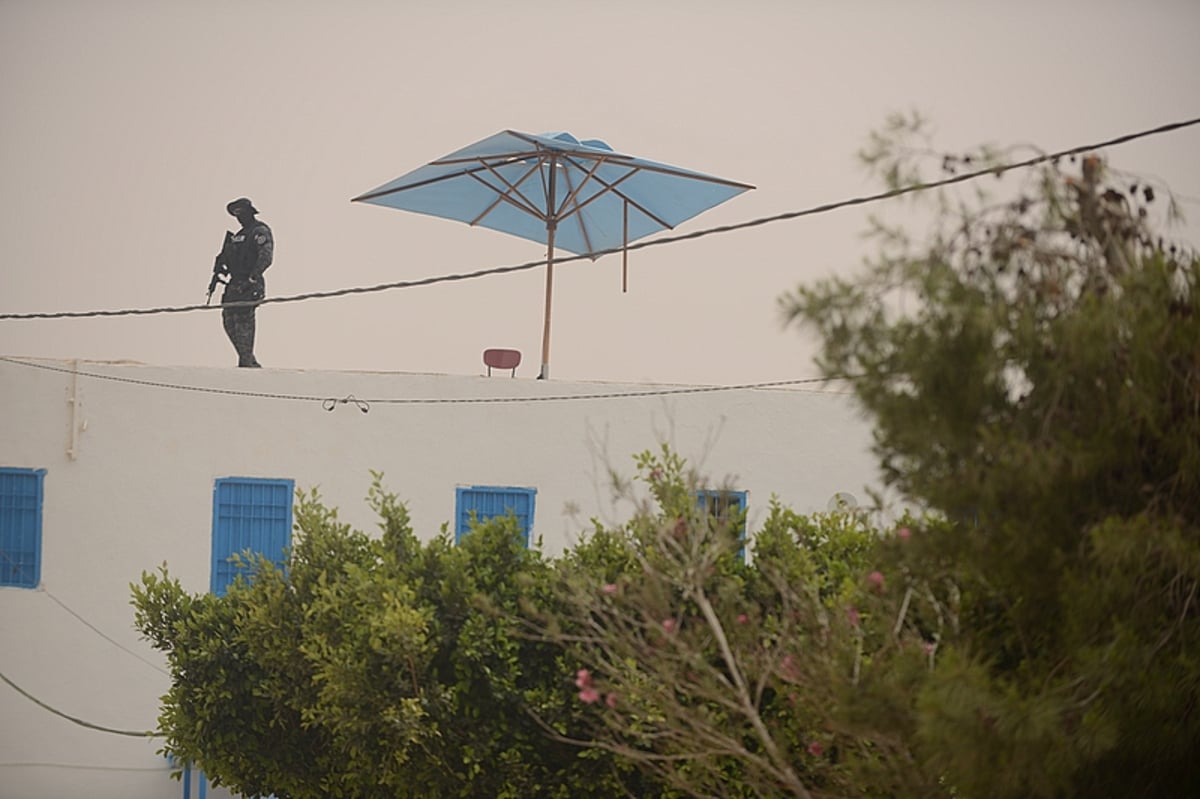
[86, 767]
[102, 634]
[499, 270]
[73, 719]
[329, 403]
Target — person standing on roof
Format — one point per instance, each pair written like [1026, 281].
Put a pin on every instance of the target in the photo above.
[244, 258]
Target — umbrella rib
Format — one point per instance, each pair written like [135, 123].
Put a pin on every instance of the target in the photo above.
[509, 157]
[542, 175]
[573, 199]
[372, 195]
[638, 205]
[528, 206]
[591, 175]
[683, 173]
[613, 188]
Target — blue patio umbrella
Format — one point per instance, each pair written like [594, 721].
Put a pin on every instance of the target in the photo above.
[578, 196]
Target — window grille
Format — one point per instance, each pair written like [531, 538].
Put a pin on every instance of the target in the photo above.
[249, 514]
[726, 506]
[21, 527]
[486, 502]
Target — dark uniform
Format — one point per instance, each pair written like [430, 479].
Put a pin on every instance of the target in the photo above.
[246, 255]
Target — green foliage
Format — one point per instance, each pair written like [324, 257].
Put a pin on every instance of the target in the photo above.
[373, 667]
[384, 666]
[1033, 372]
[730, 678]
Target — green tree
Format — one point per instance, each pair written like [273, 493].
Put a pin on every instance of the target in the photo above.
[373, 667]
[1032, 371]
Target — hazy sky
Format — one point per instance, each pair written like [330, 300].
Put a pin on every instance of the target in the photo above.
[129, 124]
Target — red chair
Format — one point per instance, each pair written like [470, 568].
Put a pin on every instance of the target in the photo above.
[502, 359]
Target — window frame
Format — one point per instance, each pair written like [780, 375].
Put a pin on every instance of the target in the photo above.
[38, 476]
[462, 516]
[218, 559]
[741, 499]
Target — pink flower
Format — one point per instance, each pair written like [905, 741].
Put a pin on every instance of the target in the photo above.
[788, 667]
[583, 679]
[815, 749]
[611, 700]
[610, 588]
[589, 695]
[852, 616]
[743, 618]
[904, 533]
[668, 625]
[875, 578]
[929, 646]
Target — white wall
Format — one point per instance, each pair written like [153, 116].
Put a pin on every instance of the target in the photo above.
[136, 491]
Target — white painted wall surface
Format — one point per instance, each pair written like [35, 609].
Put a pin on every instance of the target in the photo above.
[131, 458]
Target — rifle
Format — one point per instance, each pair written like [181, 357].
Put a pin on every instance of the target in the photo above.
[219, 268]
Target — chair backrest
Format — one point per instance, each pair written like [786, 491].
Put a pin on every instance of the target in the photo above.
[502, 359]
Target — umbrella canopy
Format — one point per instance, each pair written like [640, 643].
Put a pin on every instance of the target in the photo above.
[578, 196]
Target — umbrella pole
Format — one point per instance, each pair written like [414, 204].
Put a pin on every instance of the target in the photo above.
[545, 373]
[625, 253]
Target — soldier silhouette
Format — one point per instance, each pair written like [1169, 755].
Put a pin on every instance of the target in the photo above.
[243, 259]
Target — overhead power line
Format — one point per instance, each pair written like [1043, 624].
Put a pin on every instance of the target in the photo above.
[103, 634]
[500, 270]
[73, 719]
[84, 766]
[329, 403]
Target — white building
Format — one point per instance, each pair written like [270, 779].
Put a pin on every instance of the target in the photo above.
[110, 469]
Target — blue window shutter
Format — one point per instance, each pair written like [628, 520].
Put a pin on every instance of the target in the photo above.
[249, 513]
[21, 527]
[486, 502]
